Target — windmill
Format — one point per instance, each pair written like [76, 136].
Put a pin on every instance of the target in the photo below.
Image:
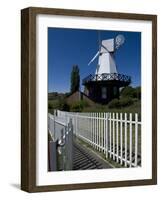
[104, 85]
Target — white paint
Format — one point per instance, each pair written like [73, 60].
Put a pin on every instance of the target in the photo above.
[106, 62]
[136, 137]
[125, 132]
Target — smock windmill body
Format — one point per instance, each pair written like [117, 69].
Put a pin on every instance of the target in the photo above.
[105, 84]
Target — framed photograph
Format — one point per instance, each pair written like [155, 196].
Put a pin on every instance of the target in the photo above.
[88, 99]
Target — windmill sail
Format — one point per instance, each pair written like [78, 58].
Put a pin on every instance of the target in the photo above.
[97, 54]
[99, 51]
[119, 40]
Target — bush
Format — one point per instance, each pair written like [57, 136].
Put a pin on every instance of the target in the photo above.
[84, 103]
[50, 106]
[76, 107]
[63, 105]
[124, 102]
[79, 106]
[114, 104]
[119, 103]
[128, 92]
[137, 93]
[131, 92]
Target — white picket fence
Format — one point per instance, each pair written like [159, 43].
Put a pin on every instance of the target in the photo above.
[56, 125]
[116, 135]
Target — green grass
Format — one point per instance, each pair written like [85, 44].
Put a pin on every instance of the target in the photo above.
[135, 108]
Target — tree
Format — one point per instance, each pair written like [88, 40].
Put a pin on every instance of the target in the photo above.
[137, 93]
[128, 92]
[131, 92]
[63, 105]
[75, 79]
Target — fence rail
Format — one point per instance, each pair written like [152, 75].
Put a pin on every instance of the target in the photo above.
[116, 135]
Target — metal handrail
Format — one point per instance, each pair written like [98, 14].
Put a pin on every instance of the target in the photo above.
[106, 77]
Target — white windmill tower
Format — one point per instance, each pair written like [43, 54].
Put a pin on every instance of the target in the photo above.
[105, 84]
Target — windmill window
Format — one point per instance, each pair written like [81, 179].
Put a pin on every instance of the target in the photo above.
[104, 92]
[115, 91]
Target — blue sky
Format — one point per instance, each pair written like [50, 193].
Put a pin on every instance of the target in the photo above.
[67, 47]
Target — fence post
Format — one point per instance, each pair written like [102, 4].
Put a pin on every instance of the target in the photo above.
[101, 130]
[93, 129]
[121, 140]
[54, 127]
[53, 157]
[117, 138]
[110, 137]
[130, 143]
[125, 139]
[69, 146]
[61, 146]
[136, 139]
[106, 139]
[104, 133]
[113, 134]
[97, 131]
[91, 133]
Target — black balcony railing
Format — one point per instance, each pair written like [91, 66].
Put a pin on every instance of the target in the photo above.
[107, 77]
